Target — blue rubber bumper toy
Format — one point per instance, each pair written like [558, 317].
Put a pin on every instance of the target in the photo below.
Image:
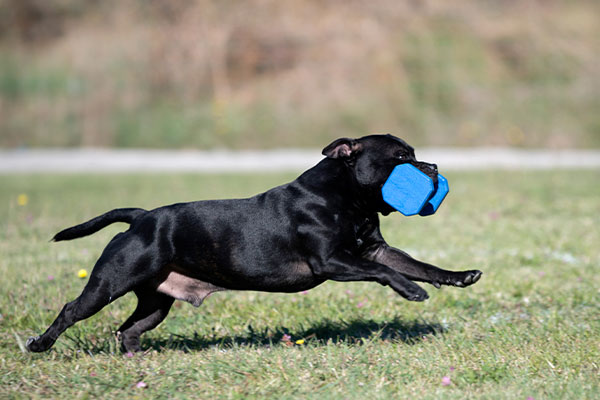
[411, 192]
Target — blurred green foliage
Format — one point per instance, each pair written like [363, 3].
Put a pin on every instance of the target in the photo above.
[207, 74]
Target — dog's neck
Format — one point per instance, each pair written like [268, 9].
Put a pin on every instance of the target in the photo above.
[338, 179]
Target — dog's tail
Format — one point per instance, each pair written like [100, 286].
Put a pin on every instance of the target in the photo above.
[95, 224]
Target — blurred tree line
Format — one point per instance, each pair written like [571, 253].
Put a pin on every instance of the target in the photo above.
[268, 73]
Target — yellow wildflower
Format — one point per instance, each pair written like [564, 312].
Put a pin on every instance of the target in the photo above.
[22, 199]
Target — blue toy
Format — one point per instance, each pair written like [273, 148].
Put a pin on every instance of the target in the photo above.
[412, 192]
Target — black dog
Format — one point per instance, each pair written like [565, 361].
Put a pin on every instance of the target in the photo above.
[324, 225]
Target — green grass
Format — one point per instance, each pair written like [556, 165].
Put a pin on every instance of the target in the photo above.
[530, 327]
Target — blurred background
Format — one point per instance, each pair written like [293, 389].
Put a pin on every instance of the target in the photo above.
[267, 74]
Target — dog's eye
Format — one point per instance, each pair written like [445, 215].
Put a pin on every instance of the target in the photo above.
[399, 156]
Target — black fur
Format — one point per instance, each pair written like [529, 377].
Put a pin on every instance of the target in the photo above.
[322, 226]
[126, 215]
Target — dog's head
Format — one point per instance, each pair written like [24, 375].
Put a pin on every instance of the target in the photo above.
[372, 159]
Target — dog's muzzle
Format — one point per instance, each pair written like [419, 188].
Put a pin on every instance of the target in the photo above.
[431, 170]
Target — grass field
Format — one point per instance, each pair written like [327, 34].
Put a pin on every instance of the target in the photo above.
[529, 328]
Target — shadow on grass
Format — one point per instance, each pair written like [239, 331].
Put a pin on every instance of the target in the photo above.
[352, 332]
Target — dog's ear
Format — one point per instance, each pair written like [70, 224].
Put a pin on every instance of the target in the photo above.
[342, 148]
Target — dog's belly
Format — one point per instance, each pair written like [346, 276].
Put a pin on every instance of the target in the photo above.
[176, 284]
[287, 277]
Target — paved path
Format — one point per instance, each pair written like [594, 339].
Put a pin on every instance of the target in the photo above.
[100, 160]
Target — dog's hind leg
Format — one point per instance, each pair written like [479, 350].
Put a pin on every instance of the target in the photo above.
[123, 266]
[94, 297]
[151, 310]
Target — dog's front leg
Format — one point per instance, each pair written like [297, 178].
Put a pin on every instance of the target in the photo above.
[345, 268]
[419, 271]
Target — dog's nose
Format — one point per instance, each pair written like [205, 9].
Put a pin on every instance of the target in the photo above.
[433, 167]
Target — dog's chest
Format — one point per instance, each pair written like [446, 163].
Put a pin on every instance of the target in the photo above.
[363, 229]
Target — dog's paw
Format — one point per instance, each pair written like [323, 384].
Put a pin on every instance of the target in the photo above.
[32, 344]
[458, 279]
[416, 294]
[130, 344]
[466, 278]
